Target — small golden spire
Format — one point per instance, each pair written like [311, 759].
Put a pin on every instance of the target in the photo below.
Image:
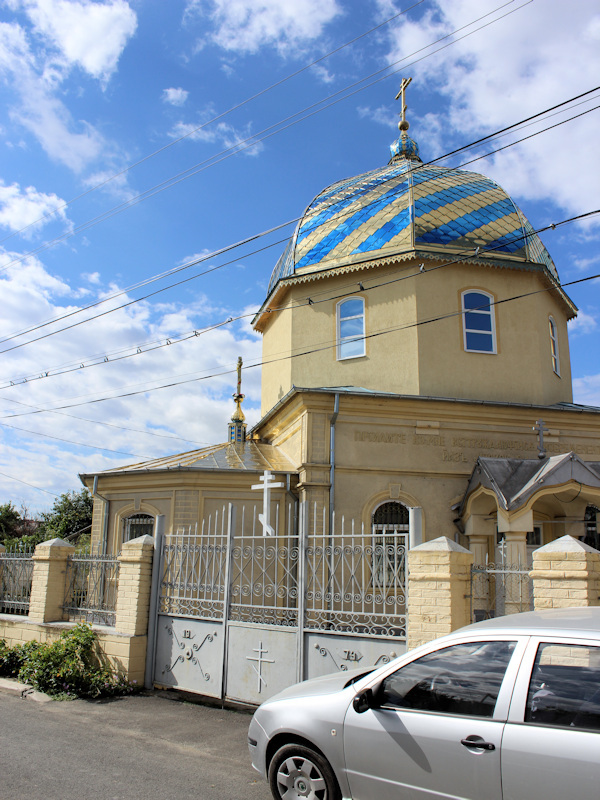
[403, 125]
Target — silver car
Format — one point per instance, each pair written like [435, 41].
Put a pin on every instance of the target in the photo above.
[507, 709]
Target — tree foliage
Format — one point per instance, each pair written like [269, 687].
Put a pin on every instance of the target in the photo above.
[10, 521]
[71, 514]
[70, 518]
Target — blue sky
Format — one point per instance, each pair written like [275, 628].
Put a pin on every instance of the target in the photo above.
[99, 191]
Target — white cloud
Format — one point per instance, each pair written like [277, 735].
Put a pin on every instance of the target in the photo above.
[54, 465]
[531, 60]
[175, 97]
[586, 390]
[40, 111]
[244, 26]
[222, 133]
[90, 34]
[28, 208]
[582, 324]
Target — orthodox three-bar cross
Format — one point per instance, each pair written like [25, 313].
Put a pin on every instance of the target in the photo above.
[266, 485]
[403, 125]
[540, 429]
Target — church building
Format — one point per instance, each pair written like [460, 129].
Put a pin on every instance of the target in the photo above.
[416, 378]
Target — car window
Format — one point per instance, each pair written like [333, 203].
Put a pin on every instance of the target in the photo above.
[462, 679]
[565, 687]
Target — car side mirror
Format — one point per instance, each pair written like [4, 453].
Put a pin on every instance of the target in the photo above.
[365, 700]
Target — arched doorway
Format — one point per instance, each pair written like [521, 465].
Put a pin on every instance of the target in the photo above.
[390, 525]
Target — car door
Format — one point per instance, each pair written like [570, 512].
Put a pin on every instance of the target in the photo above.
[436, 728]
[551, 742]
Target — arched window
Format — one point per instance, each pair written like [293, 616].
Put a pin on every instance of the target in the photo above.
[479, 328]
[390, 529]
[351, 328]
[554, 346]
[137, 525]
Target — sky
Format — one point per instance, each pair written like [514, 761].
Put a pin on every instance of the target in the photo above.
[141, 140]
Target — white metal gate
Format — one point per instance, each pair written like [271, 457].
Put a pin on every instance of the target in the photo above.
[241, 616]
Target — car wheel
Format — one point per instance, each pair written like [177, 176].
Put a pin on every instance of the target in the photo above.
[297, 772]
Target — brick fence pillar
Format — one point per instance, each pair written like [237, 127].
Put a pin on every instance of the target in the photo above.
[566, 573]
[133, 593]
[439, 584]
[48, 581]
[2, 550]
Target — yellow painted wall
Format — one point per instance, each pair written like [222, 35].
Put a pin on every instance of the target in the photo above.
[428, 359]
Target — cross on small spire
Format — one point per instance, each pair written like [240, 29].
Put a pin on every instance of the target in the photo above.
[403, 125]
[237, 426]
[540, 429]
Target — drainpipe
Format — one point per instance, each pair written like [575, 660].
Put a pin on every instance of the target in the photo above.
[106, 502]
[332, 421]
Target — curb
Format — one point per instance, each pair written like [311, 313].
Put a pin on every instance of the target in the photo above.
[22, 690]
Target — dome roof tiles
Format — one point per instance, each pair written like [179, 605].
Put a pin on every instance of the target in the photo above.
[408, 206]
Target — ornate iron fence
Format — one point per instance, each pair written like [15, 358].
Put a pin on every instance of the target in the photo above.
[91, 594]
[16, 572]
[350, 581]
[356, 579]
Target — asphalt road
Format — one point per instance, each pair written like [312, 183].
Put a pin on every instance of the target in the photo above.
[143, 747]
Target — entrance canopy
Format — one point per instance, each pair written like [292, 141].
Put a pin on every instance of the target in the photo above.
[518, 492]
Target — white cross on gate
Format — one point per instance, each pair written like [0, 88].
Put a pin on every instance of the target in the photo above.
[260, 660]
[266, 485]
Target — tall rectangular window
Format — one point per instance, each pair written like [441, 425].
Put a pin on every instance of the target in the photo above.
[554, 346]
[479, 330]
[351, 328]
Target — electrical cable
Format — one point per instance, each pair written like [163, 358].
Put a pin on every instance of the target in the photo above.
[309, 300]
[12, 478]
[325, 346]
[252, 140]
[211, 121]
[271, 230]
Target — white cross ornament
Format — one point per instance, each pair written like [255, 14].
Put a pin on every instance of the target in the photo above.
[266, 485]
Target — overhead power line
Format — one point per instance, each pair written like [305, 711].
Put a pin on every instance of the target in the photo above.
[18, 480]
[272, 130]
[70, 441]
[321, 347]
[214, 119]
[279, 227]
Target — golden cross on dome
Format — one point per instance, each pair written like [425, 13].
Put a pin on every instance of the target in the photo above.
[403, 125]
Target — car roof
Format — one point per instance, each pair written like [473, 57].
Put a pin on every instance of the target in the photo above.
[554, 621]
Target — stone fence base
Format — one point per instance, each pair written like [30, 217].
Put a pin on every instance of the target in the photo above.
[566, 573]
[122, 652]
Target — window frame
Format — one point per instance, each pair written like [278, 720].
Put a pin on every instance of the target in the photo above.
[554, 349]
[126, 531]
[342, 340]
[491, 314]
[536, 671]
[500, 704]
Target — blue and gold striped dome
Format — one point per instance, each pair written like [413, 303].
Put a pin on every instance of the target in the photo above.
[409, 207]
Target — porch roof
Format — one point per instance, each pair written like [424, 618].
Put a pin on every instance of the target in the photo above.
[515, 480]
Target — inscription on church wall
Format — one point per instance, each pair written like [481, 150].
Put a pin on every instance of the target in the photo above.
[503, 448]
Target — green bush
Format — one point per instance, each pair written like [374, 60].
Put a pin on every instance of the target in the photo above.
[13, 658]
[66, 668]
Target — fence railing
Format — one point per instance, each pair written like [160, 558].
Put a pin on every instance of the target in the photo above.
[91, 588]
[352, 580]
[16, 572]
[498, 589]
